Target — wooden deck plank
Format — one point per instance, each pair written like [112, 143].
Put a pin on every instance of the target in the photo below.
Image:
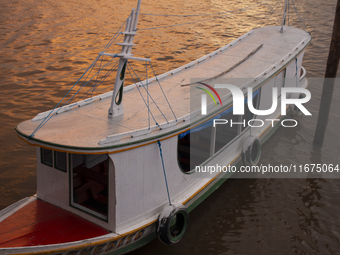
[40, 223]
[29, 216]
[35, 234]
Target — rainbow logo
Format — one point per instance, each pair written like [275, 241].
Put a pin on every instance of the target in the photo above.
[209, 93]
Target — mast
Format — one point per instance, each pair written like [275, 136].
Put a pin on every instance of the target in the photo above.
[117, 108]
[284, 16]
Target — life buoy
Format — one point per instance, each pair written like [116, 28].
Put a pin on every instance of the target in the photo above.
[251, 151]
[172, 223]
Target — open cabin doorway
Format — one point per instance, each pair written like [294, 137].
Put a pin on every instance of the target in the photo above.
[89, 184]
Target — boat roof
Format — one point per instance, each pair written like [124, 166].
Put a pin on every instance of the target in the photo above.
[86, 125]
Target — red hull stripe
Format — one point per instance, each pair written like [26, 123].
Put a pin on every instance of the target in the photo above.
[40, 223]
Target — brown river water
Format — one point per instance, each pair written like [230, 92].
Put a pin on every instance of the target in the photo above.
[47, 45]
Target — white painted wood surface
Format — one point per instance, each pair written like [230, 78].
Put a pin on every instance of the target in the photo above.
[88, 125]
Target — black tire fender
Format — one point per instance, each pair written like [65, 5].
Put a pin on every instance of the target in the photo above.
[251, 151]
[295, 111]
[172, 223]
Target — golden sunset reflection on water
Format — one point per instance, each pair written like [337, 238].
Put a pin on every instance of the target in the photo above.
[54, 43]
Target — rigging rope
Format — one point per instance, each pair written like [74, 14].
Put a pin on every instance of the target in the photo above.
[148, 93]
[43, 122]
[84, 84]
[296, 72]
[101, 80]
[265, 18]
[48, 117]
[288, 13]
[141, 95]
[166, 181]
[88, 71]
[100, 65]
[299, 18]
[163, 91]
[147, 86]
[113, 39]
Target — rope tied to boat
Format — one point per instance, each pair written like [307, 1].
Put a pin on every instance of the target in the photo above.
[166, 181]
[163, 91]
[85, 82]
[147, 92]
[296, 72]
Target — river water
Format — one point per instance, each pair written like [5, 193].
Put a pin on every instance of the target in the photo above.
[46, 45]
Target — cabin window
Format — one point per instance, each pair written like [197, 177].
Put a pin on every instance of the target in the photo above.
[227, 132]
[89, 184]
[248, 115]
[183, 150]
[200, 143]
[280, 80]
[60, 161]
[46, 157]
[55, 159]
[194, 146]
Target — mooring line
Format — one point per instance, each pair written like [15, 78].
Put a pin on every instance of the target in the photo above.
[166, 181]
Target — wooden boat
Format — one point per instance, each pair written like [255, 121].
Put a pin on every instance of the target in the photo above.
[110, 183]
